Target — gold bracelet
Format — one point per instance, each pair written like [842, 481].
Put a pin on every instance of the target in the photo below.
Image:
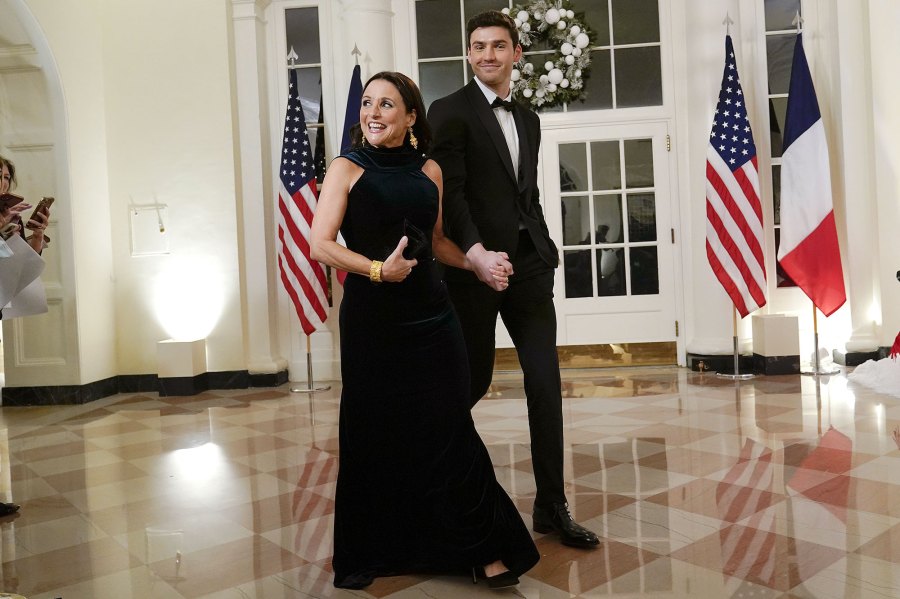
[375, 271]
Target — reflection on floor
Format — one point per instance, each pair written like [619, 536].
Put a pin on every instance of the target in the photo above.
[773, 488]
[606, 355]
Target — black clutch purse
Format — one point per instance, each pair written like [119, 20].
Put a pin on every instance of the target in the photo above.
[416, 244]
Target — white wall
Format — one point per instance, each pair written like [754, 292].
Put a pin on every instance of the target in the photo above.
[146, 87]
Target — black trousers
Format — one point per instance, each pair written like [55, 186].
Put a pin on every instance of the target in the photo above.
[527, 310]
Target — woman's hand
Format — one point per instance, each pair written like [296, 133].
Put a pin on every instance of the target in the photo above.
[37, 224]
[396, 268]
[39, 221]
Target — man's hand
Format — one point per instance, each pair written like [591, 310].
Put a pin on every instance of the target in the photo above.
[492, 268]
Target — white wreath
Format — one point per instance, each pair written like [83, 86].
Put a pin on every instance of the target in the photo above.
[562, 80]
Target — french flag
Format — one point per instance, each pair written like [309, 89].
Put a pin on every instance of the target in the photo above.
[809, 251]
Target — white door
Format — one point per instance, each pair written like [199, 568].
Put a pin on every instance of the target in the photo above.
[607, 202]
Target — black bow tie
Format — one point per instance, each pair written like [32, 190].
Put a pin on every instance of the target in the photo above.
[498, 103]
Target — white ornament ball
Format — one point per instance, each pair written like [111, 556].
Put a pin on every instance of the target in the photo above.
[522, 16]
[552, 16]
[561, 25]
[526, 27]
[582, 40]
[538, 15]
[578, 72]
[564, 83]
[539, 93]
[551, 88]
[504, 11]
[575, 30]
[548, 65]
[515, 75]
[570, 60]
[566, 48]
[576, 52]
[517, 22]
[570, 13]
[544, 79]
[527, 92]
[529, 68]
[555, 76]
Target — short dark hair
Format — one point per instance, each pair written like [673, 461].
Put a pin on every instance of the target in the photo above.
[492, 18]
[412, 98]
[12, 171]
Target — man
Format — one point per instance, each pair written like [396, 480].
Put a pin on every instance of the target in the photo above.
[489, 159]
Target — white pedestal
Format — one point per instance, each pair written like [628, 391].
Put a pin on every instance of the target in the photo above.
[180, 358]
[776, 344]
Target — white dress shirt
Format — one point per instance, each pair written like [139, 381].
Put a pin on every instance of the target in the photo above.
[507, 124]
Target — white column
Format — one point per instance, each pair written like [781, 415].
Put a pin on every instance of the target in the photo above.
[853, 161]
[370, 25]
[255, 204]
[884, 17]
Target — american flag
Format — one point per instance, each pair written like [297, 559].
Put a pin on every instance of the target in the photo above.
[303, 278]
[734, 230]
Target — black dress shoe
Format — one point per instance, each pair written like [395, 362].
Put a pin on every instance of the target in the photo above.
[556, 518]
[7, 509]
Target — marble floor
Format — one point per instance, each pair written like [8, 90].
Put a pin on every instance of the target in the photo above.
[777, 488]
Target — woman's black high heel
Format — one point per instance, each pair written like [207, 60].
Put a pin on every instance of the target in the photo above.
[504, 580]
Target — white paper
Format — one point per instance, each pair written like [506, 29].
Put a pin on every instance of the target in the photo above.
[32, 300]
[19, 270]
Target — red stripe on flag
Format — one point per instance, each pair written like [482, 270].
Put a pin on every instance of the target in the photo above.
[755, 243]
[314, 299]
[727, 282]
[738, 216]
[815, 265]
[740, 261]
[302, 243]
[308, 327]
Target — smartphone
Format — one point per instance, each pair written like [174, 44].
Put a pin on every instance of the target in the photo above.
[44, 205]
[8, 200]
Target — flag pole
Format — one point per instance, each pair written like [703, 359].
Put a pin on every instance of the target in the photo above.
[818, 371]
[311, 386]
[737, 376]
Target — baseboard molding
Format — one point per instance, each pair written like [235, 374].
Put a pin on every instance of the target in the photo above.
[855, 358]
[723, 363]
[138, 383]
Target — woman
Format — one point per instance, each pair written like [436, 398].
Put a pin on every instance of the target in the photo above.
[416, 491]
[12, 216]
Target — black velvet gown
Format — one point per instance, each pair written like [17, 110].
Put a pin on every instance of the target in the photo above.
[416, 491]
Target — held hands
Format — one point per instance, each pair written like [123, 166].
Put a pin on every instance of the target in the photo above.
[492, 268]
[396, 268]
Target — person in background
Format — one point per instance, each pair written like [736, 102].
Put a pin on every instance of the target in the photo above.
[37, 225]
[487, 147]
[38, 222]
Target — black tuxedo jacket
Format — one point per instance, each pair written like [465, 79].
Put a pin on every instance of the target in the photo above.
[483, 200]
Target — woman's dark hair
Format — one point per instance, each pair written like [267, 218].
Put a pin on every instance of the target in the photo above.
[492, 18]
[12, 171]
[412, 98]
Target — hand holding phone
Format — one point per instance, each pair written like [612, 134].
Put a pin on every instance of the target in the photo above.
[43, 207]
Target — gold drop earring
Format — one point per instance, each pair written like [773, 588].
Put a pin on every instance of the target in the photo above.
[412, 140]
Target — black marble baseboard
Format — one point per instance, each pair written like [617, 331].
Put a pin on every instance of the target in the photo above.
[723, 363]
[776, 364]
[855, 358]
[52, 395]
[137, 383]
[268, 380]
